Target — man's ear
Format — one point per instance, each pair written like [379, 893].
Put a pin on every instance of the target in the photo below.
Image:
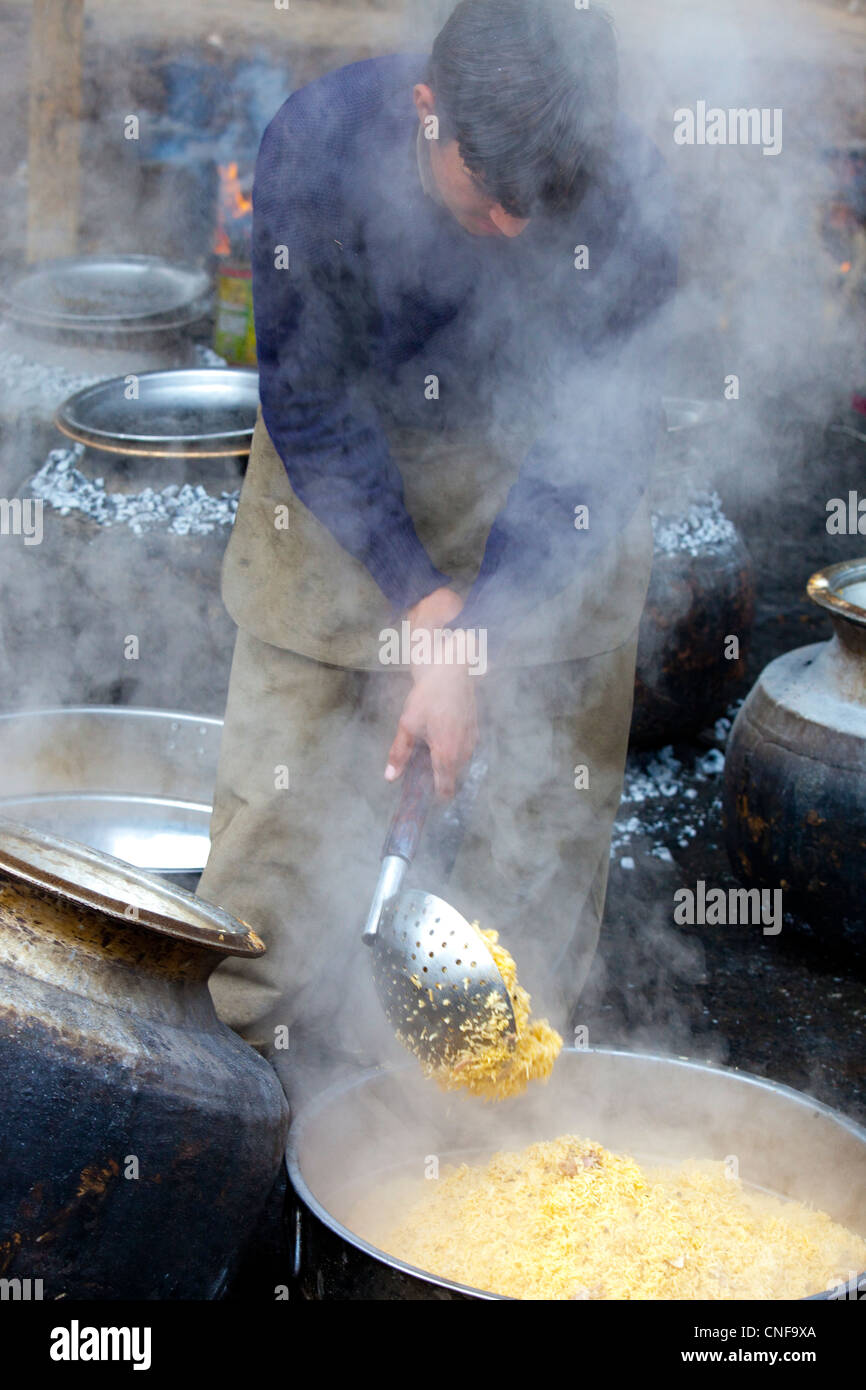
[425, 102]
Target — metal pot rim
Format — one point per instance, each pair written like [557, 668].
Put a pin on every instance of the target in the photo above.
[79, 418]
[824, 587]
[159, 738]
[308, 1112]
[46, 861]
[312, 1202]
[193, 282]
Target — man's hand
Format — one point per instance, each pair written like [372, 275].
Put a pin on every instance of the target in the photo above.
[438, 609]
[440, 707]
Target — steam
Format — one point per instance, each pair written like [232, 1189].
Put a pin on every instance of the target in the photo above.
[757, 317]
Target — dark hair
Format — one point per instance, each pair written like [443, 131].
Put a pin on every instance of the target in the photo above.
[528, 89]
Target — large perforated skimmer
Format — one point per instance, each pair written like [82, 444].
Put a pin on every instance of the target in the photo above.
[435, 976]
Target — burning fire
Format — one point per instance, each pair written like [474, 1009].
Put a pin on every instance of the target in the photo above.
[234, 204]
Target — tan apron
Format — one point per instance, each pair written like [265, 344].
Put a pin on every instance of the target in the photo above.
[290, 583]
[299, 861]
[309, 696]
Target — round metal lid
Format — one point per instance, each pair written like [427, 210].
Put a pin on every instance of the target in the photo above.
[205, 412]
[841, 589]
[95, 880]
[108, 293]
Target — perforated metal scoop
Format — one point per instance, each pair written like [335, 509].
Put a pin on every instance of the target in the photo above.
[436, 979]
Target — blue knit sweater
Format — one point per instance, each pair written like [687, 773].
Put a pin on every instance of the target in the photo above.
[383, 288]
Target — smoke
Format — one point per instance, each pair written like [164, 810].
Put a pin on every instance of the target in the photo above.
[757, 318]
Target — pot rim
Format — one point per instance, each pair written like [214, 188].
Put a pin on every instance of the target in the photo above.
[309, 1111]
[823, 588]
[78, 417]
[49, 862]
[194, 299]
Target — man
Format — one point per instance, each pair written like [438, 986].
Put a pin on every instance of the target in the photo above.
[459, 267]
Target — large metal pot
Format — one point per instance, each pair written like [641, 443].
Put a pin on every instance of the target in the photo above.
[795, 766]
[70, 322]
[140, 1136]
[385, 1125]
[140, 303]
[77, 596]
[135, 783]
[193, 413]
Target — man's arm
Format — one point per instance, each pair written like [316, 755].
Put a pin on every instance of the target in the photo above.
[604, 417]
[310, 350]
[596, 456]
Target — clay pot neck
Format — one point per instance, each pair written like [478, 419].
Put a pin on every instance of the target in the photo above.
[851, 636]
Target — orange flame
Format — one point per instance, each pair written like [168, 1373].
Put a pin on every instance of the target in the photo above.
[845, 267]
[233, 204]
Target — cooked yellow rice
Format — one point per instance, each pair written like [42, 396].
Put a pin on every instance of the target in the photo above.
[490, 1067]
[566, 1219]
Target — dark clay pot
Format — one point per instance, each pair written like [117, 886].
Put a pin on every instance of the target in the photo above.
[795, 768]
[701, 587]
[683, 680]
[139, 1136]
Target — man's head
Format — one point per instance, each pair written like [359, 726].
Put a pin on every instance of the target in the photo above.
[524, 92]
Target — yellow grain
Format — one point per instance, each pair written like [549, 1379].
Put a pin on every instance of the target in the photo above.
[567, 1219]
[494, 1065]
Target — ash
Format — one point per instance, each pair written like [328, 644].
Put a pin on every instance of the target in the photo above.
[703, 526]
[33, 387]
[661, 804]
[179, 510]
[36, 387]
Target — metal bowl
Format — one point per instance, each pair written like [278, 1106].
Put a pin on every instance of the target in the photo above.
[134, 783]
[203, 412]
[380, 1128]
[98, 294]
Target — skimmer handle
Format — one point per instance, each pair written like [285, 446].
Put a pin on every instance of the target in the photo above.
[404, 832]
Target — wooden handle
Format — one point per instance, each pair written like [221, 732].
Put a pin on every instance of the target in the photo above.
[416, 796]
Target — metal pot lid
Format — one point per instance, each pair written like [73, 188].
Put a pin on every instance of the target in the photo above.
[841, 589]
[205, 412]
[108, 293]
[95, 880]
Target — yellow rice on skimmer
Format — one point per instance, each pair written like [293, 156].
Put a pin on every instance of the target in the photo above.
[490, 1067]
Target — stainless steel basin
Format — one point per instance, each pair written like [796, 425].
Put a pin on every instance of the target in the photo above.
[134, 783]
[378, 1129]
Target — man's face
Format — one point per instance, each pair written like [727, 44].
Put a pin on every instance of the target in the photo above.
[473, 209]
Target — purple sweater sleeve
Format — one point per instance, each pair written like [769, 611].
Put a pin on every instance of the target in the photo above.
[309, 332]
